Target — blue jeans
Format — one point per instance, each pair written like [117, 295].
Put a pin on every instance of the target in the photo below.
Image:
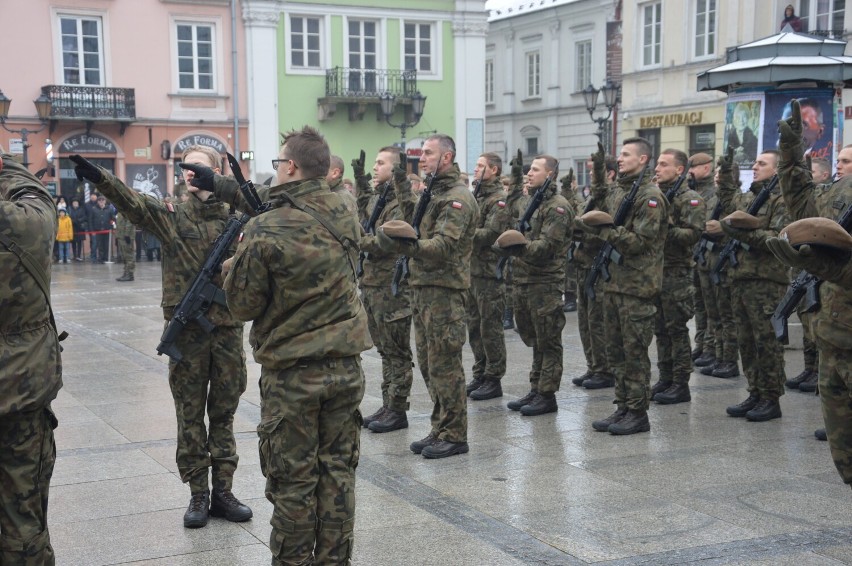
[64, 251]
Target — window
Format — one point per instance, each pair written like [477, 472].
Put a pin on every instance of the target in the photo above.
[533, 74]
[651, 25]
[823, 17]
[418, 47]
[195, 48]
[583, 50]
[532, 146]
[305, 41]
[489, 81]
[584, 178]
[653, 137]
[82, 50]
[702, 139]
[362, 42]
[705, 28]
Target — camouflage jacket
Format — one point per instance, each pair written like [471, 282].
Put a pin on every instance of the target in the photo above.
[186, 232]
[686, 223]
[442, 257]
[548, 237]
[30, 365]
[295, 280]
[124, 228]
[586, 246]
[340, 190]
[379, 264]
[639, 240]
[494, 219]
[706, 188]
[756, 262]
[832, 323]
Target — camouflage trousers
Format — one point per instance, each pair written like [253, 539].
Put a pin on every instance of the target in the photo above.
[706, 312]
[538, 313]
[629, 323]
[590, 319]
[835, 391]
[211, 377]
[389, 322]
[809, 347]
[309, 441]
[27, 456]
[700, 309]
[727, 348]
[486, 302]
[128, 255]
[439, 334]
[674, 309]
[570, 285]
[754, 302]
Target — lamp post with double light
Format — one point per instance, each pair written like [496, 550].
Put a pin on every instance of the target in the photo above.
[42, 104]
[610, 98]
[388, 104]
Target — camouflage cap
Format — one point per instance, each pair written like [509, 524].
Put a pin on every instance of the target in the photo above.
[398, 229]
[700, 159]
[597, 218]
[510, 238]
[817, 231]
[742, 220]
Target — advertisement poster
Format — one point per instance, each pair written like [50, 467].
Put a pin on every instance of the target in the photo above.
[817, 119]
[743, 126]
[147, 179]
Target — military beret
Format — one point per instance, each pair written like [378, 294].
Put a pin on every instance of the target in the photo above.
[742, 220]
[700, 159]
[510, 238]
[817, 231]
[398, 229]
[597, 218]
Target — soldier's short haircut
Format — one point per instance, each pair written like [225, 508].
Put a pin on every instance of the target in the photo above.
[550, 163]
[309, 150]
[679, 156]
[822, 164]
[493, 160]
[643, 145]
[773, 152]
[393, 151]
[212, 155]
[445, 143]
[335, 162]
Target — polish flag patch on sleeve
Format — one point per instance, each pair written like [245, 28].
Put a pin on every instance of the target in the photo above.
[456, 204]
[652, 203]
[501, 204]
[694, 202]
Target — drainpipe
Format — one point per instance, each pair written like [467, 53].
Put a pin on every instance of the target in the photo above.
[234, 82]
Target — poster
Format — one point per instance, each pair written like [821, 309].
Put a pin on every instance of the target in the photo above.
[817, 119]
[147, 179]
[743, 128]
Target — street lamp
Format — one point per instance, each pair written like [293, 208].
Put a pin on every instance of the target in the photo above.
[388, 103]
[590, 97]
[42, 104]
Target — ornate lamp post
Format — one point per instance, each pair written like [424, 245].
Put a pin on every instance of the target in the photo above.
[610, 96]
[388, 104]
[42, 104]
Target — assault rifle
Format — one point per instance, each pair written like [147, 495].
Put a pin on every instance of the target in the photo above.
[202, 293]
[478, 182]
[705, 243]
[670, 194]
[600, 267]
[369, 224]
[729, 252]
[400, 269]
[804, 286]
[524, 222]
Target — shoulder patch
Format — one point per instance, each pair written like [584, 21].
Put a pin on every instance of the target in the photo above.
[170, 207]
[501, 203]
[560, 210]
[240, 239]
[694, 202]
[652, 203]
[456, 204]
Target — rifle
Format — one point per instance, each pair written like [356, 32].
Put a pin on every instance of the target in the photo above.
[478, 183]
[670, 194]
[705, 243]
[524, 222]
[804, 286]
[202, 293]
[400, 268]
[369, 225]
[600, 267]
[729, 252]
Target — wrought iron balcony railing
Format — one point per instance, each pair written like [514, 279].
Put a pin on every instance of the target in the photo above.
[341, 82]
[91, 103]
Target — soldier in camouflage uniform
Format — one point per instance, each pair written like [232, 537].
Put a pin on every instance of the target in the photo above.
[758, 284]
[487, 297]
[30, 366]
[675, 303]
[334, 178]
[212, 374]
[539, 272]
[629, 296]
[125, 233]
[440, 277]
[294, 276]
[831, 323]
[388, 316]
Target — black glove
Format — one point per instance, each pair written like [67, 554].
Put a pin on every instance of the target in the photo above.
[790, 139]
[358, 165]
[599, 166]
[203, 178]
[517, 165]
[87, 170]
[400, 172]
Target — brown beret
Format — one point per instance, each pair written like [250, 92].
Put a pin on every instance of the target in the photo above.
[398, 229]
[597, 218]
[817, 231]
[742, 220]
[510, 238]
[700, 159]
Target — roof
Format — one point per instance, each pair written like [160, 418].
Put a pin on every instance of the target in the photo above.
[503, 9]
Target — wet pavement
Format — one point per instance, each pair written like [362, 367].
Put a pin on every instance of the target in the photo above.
[700, 488]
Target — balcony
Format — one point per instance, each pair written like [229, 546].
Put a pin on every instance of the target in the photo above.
[361, 88]
[91, 104]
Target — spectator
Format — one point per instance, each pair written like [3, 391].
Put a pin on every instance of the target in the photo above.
[791, 19]
[64, 235]
[93, 241]
[80, 223]
[101, 221]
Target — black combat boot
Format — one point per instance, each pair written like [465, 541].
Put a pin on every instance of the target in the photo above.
[198, 511]
[516, 405]
[741, 409]
[820, 434]
[660, 386]
[696, 352]
[811, 384]
[603, 424]
[570, 303]
[599, 381]
[765, 410]
[390, 421]
[418, 445]
[708, 370]
[224, 504]
[726, 370]
[540, 404]
[580, 379]
[375, 416]
[794, 382]
[475, 384]
[633, 422]
[444, 448]
[677, 393]
[508, 319]
[125, 277]
[490, 389]
[704, 360]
